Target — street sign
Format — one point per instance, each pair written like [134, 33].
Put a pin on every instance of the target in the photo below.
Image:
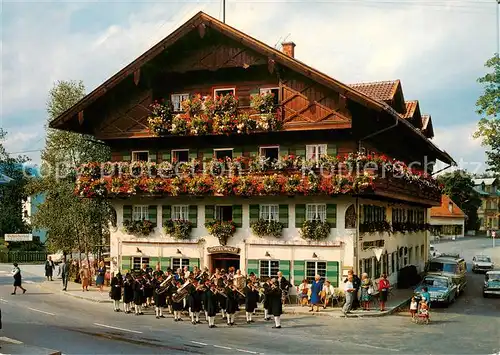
[19, 237]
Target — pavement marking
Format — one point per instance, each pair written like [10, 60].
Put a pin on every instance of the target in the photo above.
[4, 301]
[246, 351]
[222, 347]
[10, 340]
[37, 310]
[29, 282]
[111, 327]
[376, 347]
[197, 342]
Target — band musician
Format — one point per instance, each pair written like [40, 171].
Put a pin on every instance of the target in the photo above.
[284, 285]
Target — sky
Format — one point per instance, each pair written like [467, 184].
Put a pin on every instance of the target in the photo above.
[437, 48]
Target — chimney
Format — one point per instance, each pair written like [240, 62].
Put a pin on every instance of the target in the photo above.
[288, 48]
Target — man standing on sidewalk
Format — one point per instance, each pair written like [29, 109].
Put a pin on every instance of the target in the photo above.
[349, 295]
[64, 273]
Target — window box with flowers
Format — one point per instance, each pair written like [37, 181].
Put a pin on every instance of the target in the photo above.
[263, 228]
[222, 230]
[141, 228]
[315, 230]
[178, 229]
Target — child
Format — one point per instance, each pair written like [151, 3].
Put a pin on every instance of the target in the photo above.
[413, 307]
[426, 295]
[424, 309]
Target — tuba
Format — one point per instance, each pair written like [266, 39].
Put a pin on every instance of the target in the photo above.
[182, 292]
[165, 284]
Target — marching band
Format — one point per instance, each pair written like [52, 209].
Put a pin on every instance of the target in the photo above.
[199, 291]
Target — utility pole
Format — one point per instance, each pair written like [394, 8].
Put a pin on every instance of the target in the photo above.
[224, 10]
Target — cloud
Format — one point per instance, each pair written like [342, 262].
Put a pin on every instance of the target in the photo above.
[429, 47]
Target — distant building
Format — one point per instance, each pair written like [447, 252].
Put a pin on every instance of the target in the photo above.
[489, 211]
[447, 220]
[30, 207]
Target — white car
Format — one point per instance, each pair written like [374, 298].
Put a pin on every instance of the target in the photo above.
[433, 251]
[482, 263]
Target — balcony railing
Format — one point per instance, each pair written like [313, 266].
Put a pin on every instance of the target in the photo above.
[289, 175]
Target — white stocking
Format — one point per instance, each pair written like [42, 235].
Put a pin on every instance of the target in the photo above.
[266, 315]
[197, 316]
[277, 321]
[228, 318]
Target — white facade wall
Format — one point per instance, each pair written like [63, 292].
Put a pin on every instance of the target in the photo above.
[448, 221]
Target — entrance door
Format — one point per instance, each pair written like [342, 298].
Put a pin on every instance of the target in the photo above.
[224, 261]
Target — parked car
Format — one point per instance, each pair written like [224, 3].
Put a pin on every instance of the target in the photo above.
[482, 263]
[442, 289]
[491, 283]
[450, 265]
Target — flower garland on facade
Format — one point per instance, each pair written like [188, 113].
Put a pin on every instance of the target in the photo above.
[263, 228]
[214, 115]
[246, 177]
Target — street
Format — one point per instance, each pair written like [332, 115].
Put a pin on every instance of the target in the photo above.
[51, 320]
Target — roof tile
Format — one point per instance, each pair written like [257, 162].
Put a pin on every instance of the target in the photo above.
[444, 211]
[380, 90]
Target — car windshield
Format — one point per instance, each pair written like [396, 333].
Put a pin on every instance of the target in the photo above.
[483, 259]
[436, 266]
[493, 277]
[428, 281]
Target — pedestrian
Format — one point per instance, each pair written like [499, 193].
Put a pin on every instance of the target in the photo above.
[383, 289]
[64, 273]
[349, 295]
[316, 288]
[16, 273]
[413, 307]
[49, 268]
[101, 272]
[85, 277]
[366, 291]
[116, 291]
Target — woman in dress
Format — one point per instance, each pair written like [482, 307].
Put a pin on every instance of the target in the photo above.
[316, 288]
[49, 268]
[101, 272]
[383, 289]
[16, 273]
[85, 277]
[366, 285]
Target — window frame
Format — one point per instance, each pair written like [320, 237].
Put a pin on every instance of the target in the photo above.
[186, 207]
[216, 214]
[266, 89]
[269, 267]
[316, 205]
[180, 95]
[315, 146]
[269, 213]
[134, 152]
[323, 278]
[173, 151]
[223, 149]
[146, 218]
[181, 265]
[215, 90]
[141, 261]
[268, 147]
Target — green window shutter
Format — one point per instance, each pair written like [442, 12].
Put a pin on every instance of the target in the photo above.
[152, 157]
[238, 215]
[253, 151]
[193, 215]
[166, 156]
[253, 266]
[126, 156]
[207, 154]
[283, 150]
[153, 261]
[300, 150]
[331, 150]
[331, 215]
[165, 263]
[285, 268]
[193, 262]
[332, 272]
[300, 215]
[209, 213]
[299, 271]
[254, 213]
[283, 214]
[237, 152]
[193, 154]
[127, 213]
[126, 264]
[166, 213]
[152, 213]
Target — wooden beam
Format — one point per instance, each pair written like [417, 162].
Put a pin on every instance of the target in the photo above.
[270, 65]
[80, 117]
[137, 76]
[202, 30]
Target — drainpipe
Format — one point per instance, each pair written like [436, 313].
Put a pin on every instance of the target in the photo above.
[378, 132]
[356, 239]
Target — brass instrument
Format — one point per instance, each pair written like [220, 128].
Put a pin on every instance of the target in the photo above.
[182, 292]
[165, 285]
[235, 289]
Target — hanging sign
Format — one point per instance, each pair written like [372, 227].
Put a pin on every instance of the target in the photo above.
[18, 237]
[219, 249]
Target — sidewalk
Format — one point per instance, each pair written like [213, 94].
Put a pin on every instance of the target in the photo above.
[397, 299]
[12, 346]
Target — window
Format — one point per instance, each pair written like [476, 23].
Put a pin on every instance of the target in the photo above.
[314, 268]
[410, 251]
[180, 155]
[224, 91]
[179, 263]
[223, 153]
[417, 253]
[422, 251]
[224, 213]
[385, 266]
[393, 262]
[378, 268]
[316, 212]
[139, 213]
[140, 156]
[269, 268]
[271, 152]
[176, 100]
[274, 91]
[180, 212]
[314, 152]
[138, 261]
[373, 214]
[269, 212]
[368, 267]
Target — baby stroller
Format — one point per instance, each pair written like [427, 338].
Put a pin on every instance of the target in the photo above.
[422, 316]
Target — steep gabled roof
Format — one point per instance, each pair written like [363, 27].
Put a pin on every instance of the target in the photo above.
[200, 21]
[443, 211]
[486, 181]
[411, 107]
[380, 90]
[427, 127]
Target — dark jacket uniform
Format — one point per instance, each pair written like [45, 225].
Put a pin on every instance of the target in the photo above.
[148, 288]
[267, 296]
[194, 301]
[128, 291]
[251, 299]
[276, 305]
[231, 301]
[116, 289]
[159, 298]
[138, 293]
[211, 303]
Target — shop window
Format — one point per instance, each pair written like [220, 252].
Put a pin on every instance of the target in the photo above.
[378, 268]
[314, 268]
[269, 268]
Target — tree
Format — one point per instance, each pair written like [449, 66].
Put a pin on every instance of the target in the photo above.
[488, 106]
[73, 223]
[12, 194]
[459, 186]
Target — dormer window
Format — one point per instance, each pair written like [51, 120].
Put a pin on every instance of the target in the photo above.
[224, 92]
[450, 207]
